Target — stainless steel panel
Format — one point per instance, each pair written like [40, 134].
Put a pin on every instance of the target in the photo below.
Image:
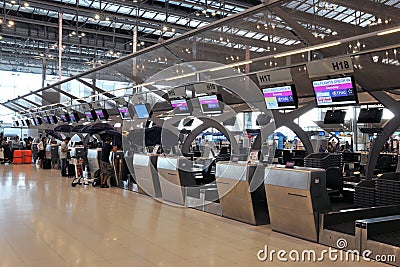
[290, 201]
[291, 212]
[170, 184]
[330, 238]
[234, 191]
[292, 178]
[168, 163]
[144, 174]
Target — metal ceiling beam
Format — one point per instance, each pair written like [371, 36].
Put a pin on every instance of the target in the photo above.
[72, 28]
[184, 36]
[372, 7]
[18, 105]
[95, 88]
[340, 27]
[89, 12]
[302, 33]
[11, 108]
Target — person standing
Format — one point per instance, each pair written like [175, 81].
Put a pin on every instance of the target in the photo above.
[42, 151]
[105, 165]
[64, 155]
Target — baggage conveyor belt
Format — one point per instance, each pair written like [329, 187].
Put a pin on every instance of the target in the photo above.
[392, 238]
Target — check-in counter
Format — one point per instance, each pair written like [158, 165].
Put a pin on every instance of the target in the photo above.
[175, 174]
[241, 192]
[296, 197]
[93, 156]
[145, 168]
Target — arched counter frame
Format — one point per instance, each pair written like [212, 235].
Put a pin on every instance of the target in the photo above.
[388, 129]
[287, 119]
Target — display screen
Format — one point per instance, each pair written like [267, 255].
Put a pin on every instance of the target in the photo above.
[124, 112]
[64, 117]
[334, 116]
[53, 119]
[90, 116]
[142, 111]
[372, 115]
[33, 121]
[333, 92]
[46, 119]
[22, 123]
[181, 107]
[283, 97]
[102, 114]
[38, 121]
[74, 117]
[210, 104]
[15, 123]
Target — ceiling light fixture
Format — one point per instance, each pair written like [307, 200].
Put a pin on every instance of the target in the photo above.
[307, 49]
[394, 30]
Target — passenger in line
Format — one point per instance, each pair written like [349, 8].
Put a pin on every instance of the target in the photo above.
[42, 151]
[105, 165]
[321, 149]
[64, 155]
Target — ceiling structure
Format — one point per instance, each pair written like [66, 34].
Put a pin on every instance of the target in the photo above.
[99, 33]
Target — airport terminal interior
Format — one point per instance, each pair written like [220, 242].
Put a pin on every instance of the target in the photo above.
[199, 133]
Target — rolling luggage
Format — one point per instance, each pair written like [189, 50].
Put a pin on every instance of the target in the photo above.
[71, 170]
[46, 164]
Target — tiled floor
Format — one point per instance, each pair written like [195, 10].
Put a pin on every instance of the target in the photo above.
[46, 222]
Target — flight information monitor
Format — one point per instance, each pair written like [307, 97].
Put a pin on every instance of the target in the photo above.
[74, 117]
[283, 97]
[124, 113]
[102, 114]
[64, 117]
[53, 119]
[142, 111]
[90, 115]
[334, 92]
[181, 107]
[210, 104]
[46, 119]
[38, 120]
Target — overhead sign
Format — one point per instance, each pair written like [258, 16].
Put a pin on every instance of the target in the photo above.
[274, 77]
[205, 88]
[177, 92]
[330, 66]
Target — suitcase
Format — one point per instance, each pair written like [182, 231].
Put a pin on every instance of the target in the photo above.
[46, 164]
[71, 170]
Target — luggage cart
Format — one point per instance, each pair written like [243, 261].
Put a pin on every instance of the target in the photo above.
[79, 178]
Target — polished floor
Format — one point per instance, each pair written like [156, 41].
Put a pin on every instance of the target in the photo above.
[46, 222]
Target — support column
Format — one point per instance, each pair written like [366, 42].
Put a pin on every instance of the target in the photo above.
[60, 47]
[44, 69]
[134, 50]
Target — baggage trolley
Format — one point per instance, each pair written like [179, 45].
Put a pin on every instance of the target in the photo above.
[79, 178]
